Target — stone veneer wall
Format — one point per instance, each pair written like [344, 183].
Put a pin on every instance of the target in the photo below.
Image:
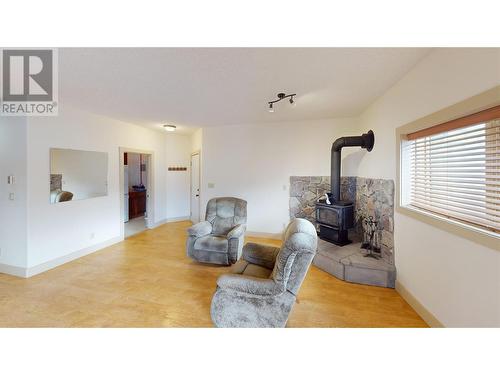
[55, 181]
[371, 197]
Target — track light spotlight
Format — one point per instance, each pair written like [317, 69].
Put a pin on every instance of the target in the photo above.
[281, 96]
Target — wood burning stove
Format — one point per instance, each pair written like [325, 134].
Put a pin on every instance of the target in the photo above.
[334, 221]
[336, 218]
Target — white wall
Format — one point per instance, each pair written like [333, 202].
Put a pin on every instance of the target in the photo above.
[57, 230]
[458, 281]
[255, 163]
[13, 213]
[178, 153]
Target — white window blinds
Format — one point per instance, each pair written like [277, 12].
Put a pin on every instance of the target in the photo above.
[456, 173]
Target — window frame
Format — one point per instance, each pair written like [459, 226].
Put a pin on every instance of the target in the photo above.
[471, 106]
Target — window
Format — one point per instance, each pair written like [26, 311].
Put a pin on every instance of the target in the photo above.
[453, 170]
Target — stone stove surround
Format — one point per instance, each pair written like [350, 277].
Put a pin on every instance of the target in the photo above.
[371, 197]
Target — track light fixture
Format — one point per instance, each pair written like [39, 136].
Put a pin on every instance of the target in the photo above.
[282, 96]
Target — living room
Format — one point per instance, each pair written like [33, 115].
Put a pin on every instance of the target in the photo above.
[296, 187]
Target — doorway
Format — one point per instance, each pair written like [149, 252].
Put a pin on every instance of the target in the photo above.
[195, 187]
[136, 191]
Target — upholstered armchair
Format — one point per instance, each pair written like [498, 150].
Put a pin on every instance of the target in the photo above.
[219, 239]
[59, 195]
[264, 287]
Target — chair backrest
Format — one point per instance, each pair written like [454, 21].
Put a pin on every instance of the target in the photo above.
[296, 254]
[65, 196]
[225, 213]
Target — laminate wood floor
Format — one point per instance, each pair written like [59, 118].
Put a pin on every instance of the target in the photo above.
[148, 281]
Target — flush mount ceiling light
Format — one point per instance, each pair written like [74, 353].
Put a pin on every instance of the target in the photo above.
[281, 96]
[169, 128]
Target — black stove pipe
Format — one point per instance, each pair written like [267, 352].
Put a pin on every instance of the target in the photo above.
[364, 141]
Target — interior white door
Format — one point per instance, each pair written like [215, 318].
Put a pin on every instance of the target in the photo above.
[195, 188]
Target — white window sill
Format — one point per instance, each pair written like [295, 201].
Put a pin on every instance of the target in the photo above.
[470, 232]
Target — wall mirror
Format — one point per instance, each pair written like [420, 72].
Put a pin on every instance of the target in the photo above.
[76, 175]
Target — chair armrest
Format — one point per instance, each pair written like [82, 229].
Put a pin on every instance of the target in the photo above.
[203, 228]
[249, 285]
[236, 232]
[260, 255]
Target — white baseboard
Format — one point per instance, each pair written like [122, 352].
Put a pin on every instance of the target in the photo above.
[42, 267]
[157, 224]
[274, 236]
[180, 218]
[421, 310]
[169, 220]
[12, 270]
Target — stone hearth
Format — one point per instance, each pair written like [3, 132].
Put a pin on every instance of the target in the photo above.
[349, 263]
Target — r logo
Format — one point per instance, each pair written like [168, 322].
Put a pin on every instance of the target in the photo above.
[27, 75]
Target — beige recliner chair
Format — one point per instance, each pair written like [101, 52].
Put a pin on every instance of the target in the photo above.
[264, 287]
[220, 238]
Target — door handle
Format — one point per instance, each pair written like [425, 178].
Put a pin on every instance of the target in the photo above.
[197, 195]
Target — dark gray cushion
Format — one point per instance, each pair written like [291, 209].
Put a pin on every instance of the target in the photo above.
[211, 257]
[261, 254]
[249, 269]
[256, 287]
[212, 243]
[203, 228]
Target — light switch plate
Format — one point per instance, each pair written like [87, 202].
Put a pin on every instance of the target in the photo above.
[211, 185]
[11, 196]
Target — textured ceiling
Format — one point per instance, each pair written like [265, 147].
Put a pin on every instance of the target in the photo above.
[199, 87]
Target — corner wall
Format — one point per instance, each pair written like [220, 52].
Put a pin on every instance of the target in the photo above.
[56, 231]
[255, 162]
[13, 213]
[456, 280]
